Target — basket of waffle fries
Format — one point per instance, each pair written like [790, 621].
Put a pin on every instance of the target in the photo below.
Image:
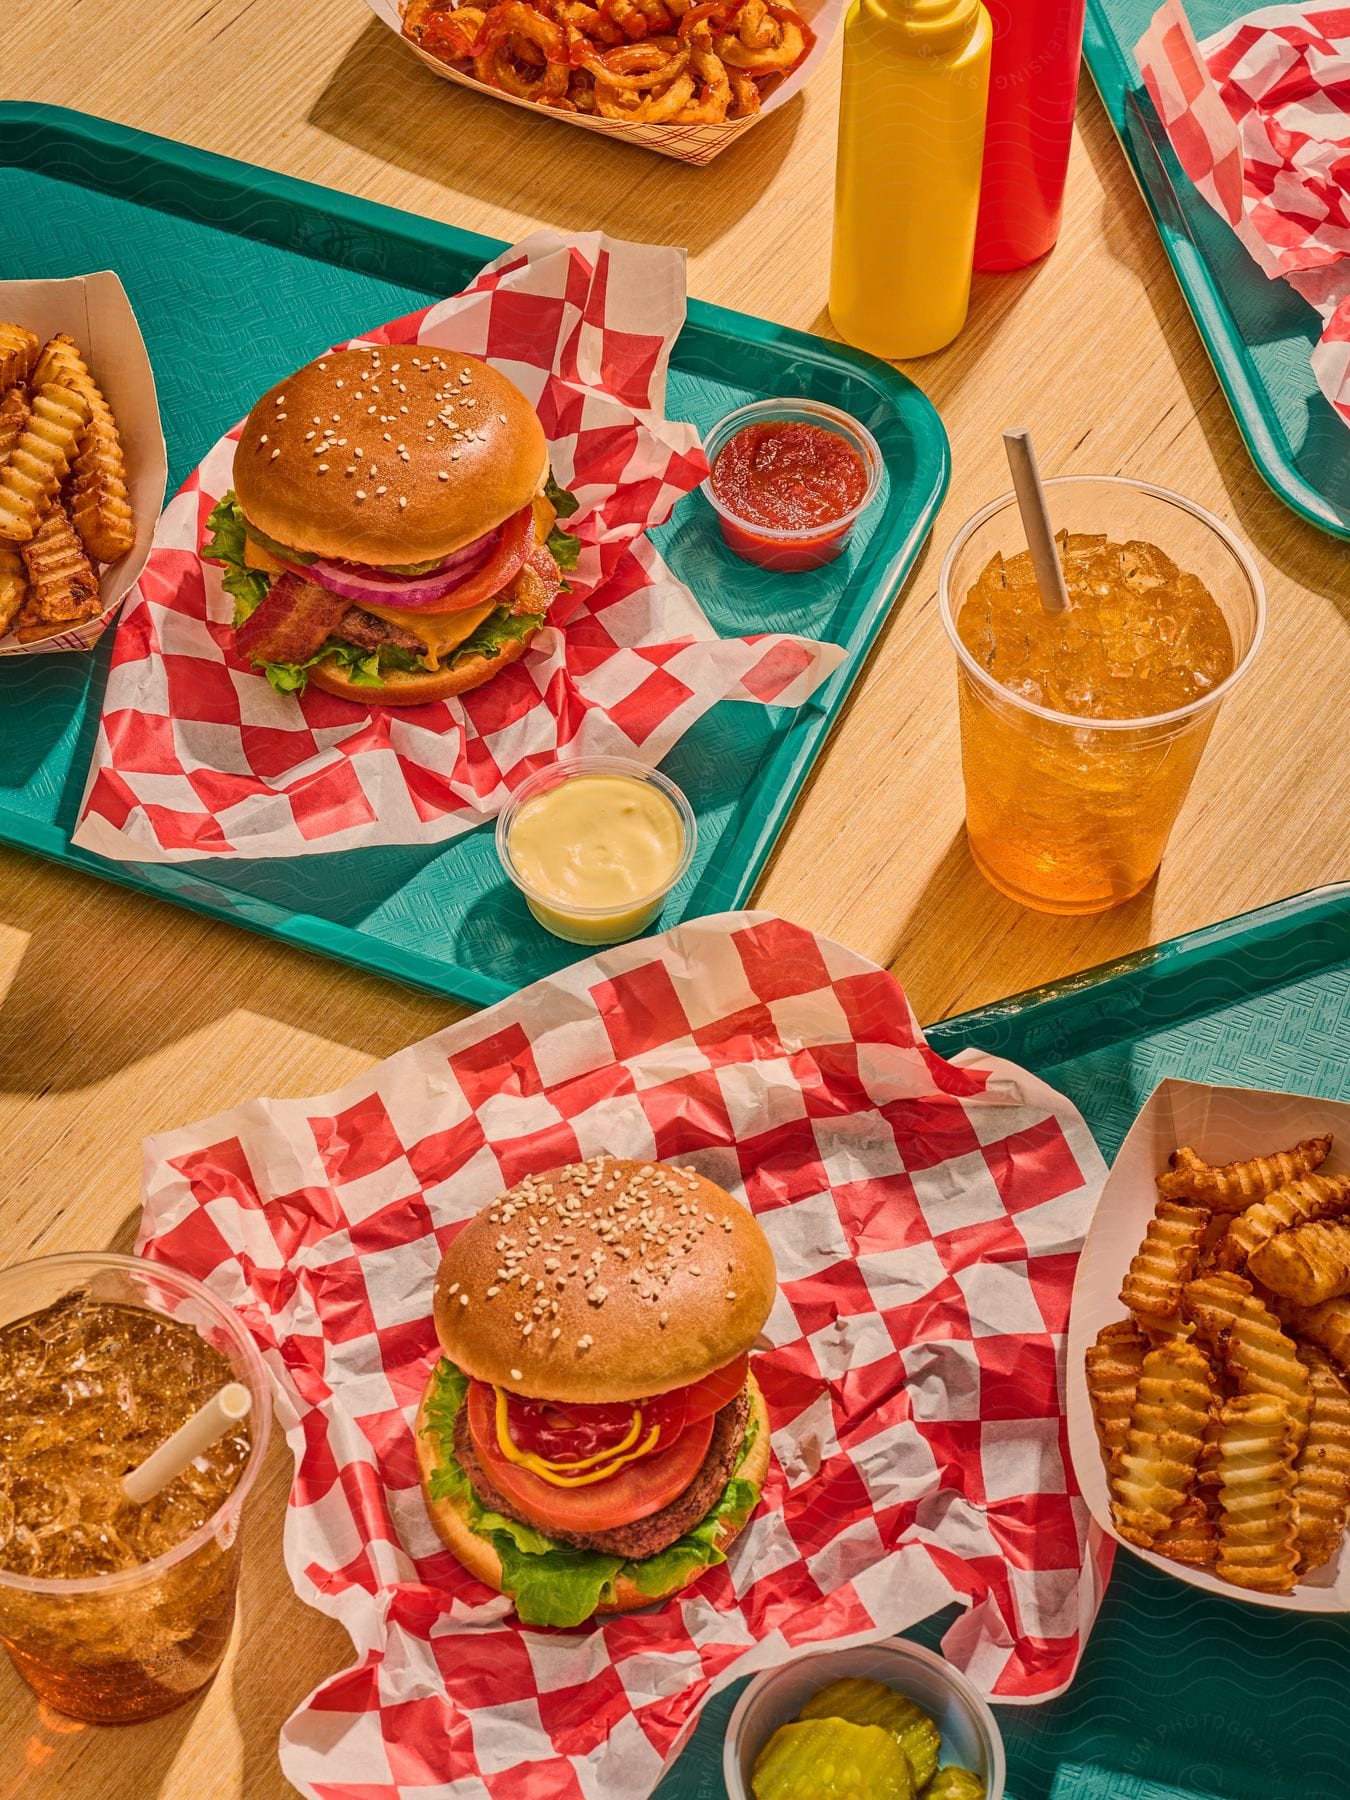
[1209, 1345]
[682, 77]
[82, 463]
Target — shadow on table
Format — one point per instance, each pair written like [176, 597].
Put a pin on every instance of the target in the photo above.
[78, 1008]
[972, 936]
[44, 1753]
[383, 101]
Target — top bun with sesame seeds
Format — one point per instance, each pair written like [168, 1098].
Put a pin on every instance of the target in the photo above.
[608, 1280]
[446, 435]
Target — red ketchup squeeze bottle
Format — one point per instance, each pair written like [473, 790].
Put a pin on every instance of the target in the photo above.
[1038, 45]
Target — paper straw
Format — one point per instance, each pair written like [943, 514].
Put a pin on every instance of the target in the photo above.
[208, 1423]
[1035, 511]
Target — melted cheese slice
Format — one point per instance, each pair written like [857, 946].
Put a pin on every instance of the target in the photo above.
[255, 557]
[442, 633]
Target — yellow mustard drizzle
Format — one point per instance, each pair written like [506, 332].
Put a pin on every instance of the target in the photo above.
[561, 1474]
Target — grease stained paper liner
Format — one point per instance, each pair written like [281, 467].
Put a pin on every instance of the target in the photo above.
[1223, 1124]
[95, 311]
[1259, 116]
[686, 143]
[926, 1218]
[197, 756]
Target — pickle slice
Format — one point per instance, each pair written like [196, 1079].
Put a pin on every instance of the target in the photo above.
[953, 1783]
[829, 1759]
[871, 1703]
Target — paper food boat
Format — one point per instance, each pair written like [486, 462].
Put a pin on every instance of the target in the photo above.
[95, 311]
[686, 143]
[1223, 1124]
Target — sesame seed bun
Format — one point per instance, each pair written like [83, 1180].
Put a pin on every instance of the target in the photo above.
[418, 687]
[451, 1518]
[285, 489]
[693, 1291]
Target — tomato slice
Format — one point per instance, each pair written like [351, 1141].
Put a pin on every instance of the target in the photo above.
[503, 565]
[715, 1391]
[636, 1491]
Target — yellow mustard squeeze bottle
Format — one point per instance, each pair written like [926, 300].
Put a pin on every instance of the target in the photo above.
[907, 182]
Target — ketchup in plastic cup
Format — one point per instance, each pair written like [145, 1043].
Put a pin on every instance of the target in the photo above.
[788, 480]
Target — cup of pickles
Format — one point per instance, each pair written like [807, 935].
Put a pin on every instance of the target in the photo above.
[887, 1721]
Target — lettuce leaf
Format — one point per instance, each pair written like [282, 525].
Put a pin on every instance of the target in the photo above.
[563, 503]
[564, 547]
[497, 630]
[248, 587]
[551, 1583]
[364, 667]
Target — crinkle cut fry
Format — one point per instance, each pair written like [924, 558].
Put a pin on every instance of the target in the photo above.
[63, 584]
[1154, 1471]
[1322, 1469]
[1256, 1494]
[37, 465]
[14, 416]
[1191, 1537]
[1308, 1264]
[1327, 1325]
[1112, 1365]
[97, 497]
[1298, 1203]
[13, 584]
[1232, 1187]
[1246, 1334]
[1165, 1261]
[18, 353]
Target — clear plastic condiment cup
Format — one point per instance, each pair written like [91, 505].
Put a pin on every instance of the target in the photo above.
[970, 1737]
[605, 924]
[111, 1649]
[812, 546]
[1069, 813]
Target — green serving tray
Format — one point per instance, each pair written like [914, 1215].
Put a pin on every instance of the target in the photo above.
[1259, 333]
[1181, 1695]
[237, 276]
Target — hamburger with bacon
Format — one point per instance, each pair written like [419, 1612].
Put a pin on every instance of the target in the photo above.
[392, 531]
[592, 1438]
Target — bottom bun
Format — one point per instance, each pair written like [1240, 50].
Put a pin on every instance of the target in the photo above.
[481, 1560]
[419, 687]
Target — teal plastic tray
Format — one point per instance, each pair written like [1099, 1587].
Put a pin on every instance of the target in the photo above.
[237, 276]
[1259, 334]
[1181, 1695]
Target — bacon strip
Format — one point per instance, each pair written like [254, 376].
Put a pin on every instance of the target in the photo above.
[296, 619]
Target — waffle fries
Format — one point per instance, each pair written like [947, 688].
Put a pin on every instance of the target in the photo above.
[1154, 1472]
[1307, 1265]
[18, 352]
[64, 506]
[1222, 1404]
[1322, 1471]
[1314, 1197]
[1257, 1522]
[98, 488]
[1113, 1364]
[1165, 1261]
[1233, 1187]
[62, 582]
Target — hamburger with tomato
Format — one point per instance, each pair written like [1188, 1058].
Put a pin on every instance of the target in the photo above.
[592, 1438]
[392, 532]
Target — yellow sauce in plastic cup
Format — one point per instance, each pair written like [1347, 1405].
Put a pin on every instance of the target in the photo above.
[595, 846]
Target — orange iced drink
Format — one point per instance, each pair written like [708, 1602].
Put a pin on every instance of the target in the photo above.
[114, 1611]
[1081, 731]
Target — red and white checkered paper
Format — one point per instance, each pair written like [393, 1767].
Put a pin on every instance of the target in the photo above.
[198, 757]
[926, 1218]
[1259, 116]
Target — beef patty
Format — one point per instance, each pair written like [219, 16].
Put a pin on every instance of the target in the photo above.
[645, 1537]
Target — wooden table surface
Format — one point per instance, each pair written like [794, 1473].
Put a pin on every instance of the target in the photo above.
[123, 1016]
